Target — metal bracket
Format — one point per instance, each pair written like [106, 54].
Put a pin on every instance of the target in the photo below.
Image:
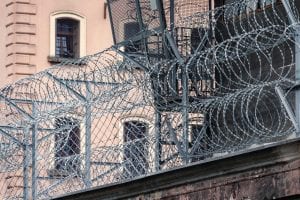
[288, 108]
[11, 137]
[174, 48]
[177, 143]
[16, 106]
[287, 7]
[77, 94]
[130, 59]
[197, 144]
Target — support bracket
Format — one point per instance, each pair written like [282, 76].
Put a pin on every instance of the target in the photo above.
[288, 108]
[77, 94]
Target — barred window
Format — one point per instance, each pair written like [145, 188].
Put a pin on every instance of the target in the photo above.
[67, 146]
[135, 149]
[67, 38]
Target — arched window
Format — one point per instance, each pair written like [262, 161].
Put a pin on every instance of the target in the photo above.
[67, 36]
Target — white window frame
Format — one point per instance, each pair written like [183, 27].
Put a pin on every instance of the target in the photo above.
[82, 30]
[149, 134]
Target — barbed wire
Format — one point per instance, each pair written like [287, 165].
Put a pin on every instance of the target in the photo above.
[118, 115]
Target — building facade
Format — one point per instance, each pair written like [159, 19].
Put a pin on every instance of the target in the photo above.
[35, 34]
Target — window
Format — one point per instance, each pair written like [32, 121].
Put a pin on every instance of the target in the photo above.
[67, 146]
[135, 149]
[67, 38]
[130, 30]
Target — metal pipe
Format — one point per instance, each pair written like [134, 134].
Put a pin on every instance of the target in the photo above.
[287, 108]
[157, 140]
[26, 165]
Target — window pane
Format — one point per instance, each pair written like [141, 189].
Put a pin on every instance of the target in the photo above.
[66, 38]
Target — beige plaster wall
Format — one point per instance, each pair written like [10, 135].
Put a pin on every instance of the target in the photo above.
[2, 43]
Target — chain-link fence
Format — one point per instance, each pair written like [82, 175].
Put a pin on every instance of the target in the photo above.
[102, 119]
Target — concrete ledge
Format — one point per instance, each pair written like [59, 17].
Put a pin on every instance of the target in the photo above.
[26, 49]
[22, 29]
[21, 8]
[264, 161]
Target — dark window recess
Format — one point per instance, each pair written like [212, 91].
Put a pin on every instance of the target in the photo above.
[130, 30]
[67, 146]
[197, 35]
[200, 142]
[135, 149]
[67, 38]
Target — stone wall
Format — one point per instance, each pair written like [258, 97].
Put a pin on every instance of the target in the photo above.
[266, 172]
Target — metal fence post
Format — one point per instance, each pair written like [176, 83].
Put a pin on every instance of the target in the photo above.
[297, 75]
[34, 153]
[26, 165]
[88, 125]
[157, 140]
[185, 114]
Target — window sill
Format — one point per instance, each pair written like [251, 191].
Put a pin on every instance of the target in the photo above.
[58, 60]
